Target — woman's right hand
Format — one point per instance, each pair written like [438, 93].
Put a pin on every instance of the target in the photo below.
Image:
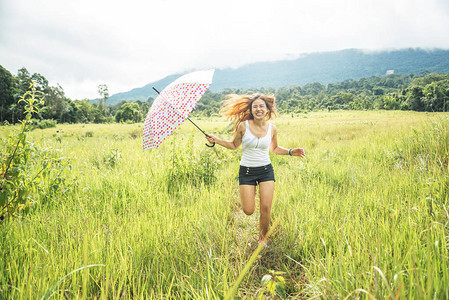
[211, 139]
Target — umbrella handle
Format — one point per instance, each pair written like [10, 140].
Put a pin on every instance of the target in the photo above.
[210, 146]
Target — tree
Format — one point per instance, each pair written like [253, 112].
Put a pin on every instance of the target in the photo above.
[144, 108]
[341, 100]
[390, 102]
[415, 98]
[57, 105]
[24, 79]
[6, 94]
[104, 93]
[23, 82]
[378, 91]
[312, 88]
[436, 96]
[40, 82]
[129, 112]
[84, 111]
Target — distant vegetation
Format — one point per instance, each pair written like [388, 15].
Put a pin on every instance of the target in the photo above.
[423, 92]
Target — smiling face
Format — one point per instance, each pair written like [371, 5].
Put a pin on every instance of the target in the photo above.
[259, 109]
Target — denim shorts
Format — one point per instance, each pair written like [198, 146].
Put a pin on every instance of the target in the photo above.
[255, 175]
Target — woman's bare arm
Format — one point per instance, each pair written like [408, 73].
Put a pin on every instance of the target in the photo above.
[236, 141]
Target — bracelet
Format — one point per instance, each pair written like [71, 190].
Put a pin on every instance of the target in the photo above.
[290, 152]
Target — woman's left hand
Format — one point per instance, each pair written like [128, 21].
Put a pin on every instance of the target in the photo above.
[298, 152]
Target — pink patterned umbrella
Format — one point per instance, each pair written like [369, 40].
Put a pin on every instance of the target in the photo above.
[173, 105]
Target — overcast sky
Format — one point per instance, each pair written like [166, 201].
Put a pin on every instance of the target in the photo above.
[127, 44]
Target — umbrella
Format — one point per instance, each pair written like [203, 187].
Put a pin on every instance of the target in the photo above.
[173, 105]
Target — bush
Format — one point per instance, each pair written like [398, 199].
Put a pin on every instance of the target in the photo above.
[188, 169]
[107, 159]
[24, 167]
[42, 124]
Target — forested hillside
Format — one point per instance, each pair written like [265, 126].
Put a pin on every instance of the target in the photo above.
[322, 67]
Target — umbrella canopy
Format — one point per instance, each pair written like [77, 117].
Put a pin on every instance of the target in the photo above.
[173, 105]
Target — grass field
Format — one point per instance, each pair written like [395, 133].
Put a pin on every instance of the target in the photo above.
[364, 215]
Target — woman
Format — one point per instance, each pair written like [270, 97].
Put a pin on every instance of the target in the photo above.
[256, 135]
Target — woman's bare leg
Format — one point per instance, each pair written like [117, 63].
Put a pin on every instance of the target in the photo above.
[266, 190]
[247, 197]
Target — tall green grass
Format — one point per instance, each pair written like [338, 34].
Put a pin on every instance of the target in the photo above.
[365, 215]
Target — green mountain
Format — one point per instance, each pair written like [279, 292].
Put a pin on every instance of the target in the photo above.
[323, 67]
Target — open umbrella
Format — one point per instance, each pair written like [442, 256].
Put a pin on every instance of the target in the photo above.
[173, 105]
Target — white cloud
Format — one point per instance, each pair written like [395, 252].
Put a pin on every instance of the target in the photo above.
[81, 44]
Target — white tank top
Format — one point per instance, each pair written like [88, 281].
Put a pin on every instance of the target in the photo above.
[254, 149]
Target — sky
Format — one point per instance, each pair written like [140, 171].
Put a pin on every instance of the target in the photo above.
[80, 44]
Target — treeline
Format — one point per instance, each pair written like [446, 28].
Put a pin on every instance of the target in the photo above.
[57, 106]
[424, 92]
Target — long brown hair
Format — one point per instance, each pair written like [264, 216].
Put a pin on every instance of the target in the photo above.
[238, 107]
